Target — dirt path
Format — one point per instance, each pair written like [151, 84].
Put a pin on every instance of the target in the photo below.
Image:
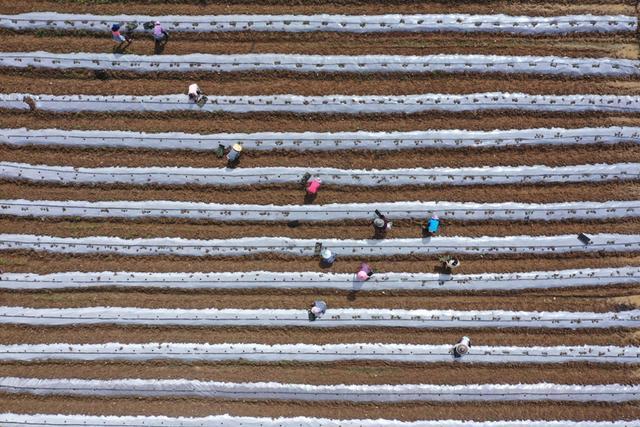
[85, 82]
[368, 7]
[598, 300]
[598, 192]
[407, 411]
[333, 372]
[213, 123]
[360, 159]
[10, 334]
[40, 262]
[361, 230]
[319, 43]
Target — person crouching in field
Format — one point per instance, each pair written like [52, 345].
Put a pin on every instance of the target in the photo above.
[317, 310]
[160, 36]
[122, 41]
[196, 95]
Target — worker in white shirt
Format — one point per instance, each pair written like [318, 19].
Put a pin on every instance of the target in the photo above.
[195, 94]
[462, 347]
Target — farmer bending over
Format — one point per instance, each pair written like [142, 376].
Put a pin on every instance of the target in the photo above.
[119, 38]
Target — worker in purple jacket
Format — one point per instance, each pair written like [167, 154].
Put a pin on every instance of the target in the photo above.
[160, 36]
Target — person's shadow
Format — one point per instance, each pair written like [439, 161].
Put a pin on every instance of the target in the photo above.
[158, 49]
[356, 286]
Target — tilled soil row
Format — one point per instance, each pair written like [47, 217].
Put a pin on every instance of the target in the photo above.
[73, 82]
[480, 411]
[263, 122]
[353, 159]
[264, 195]
[79, 227]
[42, 263]
[13, 334]
[365, 7]
[605, 299]
[324, 43]
[363, 372]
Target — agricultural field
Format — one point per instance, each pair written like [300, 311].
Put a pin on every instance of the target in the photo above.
[147, 281]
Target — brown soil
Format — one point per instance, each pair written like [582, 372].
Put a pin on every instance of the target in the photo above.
[333, 372]
[596, 300]
[598, 192]
[322, 43]
[213, 123]
[362, 159]
[318, 230]
[589, 299]
[41, 81]
[483, 411]
[41, 262]
[368, 7]
[10, 334]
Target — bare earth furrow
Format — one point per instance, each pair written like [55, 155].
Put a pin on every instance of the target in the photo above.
[419, 158]
[620, 46]
[79, 227]
[332, 373]
[597, 192]
[11, 334]
[70, 82]
[406, 411]
[32, 262]
[262, 122]
[599, 300]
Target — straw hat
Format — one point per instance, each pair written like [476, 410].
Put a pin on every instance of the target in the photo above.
[237, 147]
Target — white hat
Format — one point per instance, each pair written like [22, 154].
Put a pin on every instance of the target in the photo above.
[326, 254]
[378, 222]
[157, 23]
[434, 216]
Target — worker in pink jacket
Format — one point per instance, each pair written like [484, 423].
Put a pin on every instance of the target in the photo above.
[313, 186]
[364, 272]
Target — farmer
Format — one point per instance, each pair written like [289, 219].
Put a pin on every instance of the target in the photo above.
[364, 272]
[317, 309]
[233, 157]
[119, 38]
[160, 36]
[313, 186]
[195, 94]
[462, 347]
[380, 225]
[433, 225]
[449, 263]
[327, 258]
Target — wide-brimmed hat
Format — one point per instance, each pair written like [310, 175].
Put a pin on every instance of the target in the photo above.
[378, 222]
[326, 253]
[237, 147]
[362, 275]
